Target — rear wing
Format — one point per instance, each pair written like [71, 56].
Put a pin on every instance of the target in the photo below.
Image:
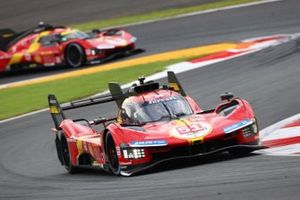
[174, 83]
[57, 110]
[6, 35]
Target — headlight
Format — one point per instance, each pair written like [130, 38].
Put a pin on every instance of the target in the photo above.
[94, 52]
[133, 39]
[255, 127]
[105, 46]
[250, 130]
[133, 153]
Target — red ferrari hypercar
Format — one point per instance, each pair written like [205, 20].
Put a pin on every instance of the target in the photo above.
[154, 124]
[47, 45]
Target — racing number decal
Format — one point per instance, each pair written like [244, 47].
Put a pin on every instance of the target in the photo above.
[191, 130]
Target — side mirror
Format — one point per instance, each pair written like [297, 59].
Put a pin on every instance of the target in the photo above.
[227, 96]
[99, 121]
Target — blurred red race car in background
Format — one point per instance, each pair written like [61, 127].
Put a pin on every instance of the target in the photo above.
[47, 45]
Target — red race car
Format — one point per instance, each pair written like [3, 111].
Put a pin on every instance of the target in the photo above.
[154, 124]
[47, 45]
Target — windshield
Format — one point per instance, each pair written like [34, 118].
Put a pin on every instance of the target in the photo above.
[156, 110]
[74, 35]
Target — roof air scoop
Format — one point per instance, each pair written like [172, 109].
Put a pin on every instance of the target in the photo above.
[144, 86]
[226, 96]
[142, 80]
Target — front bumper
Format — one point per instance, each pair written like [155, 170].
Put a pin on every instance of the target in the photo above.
[133, 170]
[104, 55]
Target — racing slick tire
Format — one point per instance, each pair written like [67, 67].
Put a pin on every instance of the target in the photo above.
[58, 149]
[65, 155]
[74, 55]
[111, 154]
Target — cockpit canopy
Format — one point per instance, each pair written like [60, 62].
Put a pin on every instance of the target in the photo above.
[158, 109]
[62, 35]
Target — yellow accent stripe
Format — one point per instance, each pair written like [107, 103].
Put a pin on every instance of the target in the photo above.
[35, 44]
[79, 145]
[185, 53]
[174, 86]
[54, 110]
[196, 141]
[16, 58]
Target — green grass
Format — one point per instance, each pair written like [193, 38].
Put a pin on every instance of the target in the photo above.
[156, 15]
[20, 100]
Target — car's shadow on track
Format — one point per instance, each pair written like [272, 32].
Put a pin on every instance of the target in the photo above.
[186, 163]
[169, 166]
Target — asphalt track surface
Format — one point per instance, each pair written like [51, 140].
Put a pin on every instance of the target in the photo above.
[269, 79]
[14, 14]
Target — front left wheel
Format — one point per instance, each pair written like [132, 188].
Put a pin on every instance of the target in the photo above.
[111, 154]
[74, 55]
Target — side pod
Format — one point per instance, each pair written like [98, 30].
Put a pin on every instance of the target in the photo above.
[55, 110]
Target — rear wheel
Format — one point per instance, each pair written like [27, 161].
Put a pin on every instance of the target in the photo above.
[58, 149]
[74, 55]
[66, 158]
[111, 154]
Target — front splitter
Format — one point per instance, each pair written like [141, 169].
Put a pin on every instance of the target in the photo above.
[138, 170]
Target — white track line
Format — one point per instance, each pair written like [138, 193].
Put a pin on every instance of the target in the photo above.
[270, 129]
[277, 131]
[287, 150]
[199, 13]
[282, 133]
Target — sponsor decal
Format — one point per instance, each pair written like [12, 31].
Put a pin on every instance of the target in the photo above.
[118, 151]
[54, 110]
[162, 100]
[175, 86]
[53, 101]
[237, 126]
[148, 143]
